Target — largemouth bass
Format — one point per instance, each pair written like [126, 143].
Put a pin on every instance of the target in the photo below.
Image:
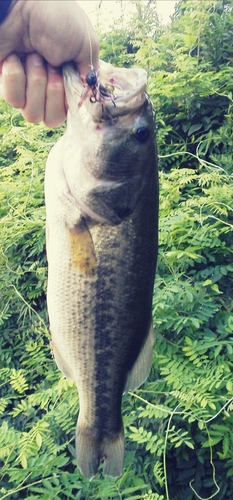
[101, 192]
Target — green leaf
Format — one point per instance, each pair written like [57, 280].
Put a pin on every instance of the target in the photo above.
[229, 386]
[39, 440]
[229, 349]
[23, 460]
[194, 128]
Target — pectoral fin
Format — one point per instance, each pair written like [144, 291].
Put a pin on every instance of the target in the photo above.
[141, 368]
[82, 249]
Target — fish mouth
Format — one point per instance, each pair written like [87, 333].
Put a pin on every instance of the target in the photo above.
[128, 94]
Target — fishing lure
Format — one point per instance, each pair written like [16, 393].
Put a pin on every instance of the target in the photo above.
[96, 91]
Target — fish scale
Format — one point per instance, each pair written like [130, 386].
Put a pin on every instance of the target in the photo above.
[102, 251]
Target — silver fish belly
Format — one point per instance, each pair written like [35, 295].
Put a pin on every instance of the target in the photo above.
[101, 191]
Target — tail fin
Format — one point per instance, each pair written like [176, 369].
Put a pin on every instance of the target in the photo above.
[113, 454]
[90, 450]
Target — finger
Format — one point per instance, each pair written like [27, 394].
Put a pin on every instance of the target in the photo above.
[55, 109]
[36, 74]
[13, 82]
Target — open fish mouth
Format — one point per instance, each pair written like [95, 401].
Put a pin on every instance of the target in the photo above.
[117, 91]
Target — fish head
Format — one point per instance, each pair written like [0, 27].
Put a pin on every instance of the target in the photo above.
[110, 143]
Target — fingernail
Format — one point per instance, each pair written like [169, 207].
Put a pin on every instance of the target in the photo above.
[12, 58]
[36, 60]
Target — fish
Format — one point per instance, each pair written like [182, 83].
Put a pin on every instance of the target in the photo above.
[101, 195]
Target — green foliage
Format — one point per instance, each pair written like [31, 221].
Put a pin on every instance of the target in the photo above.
[117, 48]
[122, 44]
[192, 90]
[178, 427]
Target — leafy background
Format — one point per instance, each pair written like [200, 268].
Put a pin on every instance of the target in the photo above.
[179, 439]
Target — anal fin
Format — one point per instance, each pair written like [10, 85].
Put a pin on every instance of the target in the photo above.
[142, 366]
[61, 364]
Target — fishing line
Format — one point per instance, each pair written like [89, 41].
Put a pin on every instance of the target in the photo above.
[90, 45]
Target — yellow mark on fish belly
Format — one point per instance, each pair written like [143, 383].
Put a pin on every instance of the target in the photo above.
[82, 249]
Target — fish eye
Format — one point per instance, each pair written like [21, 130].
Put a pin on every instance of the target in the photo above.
[91, 79]
[142, 134]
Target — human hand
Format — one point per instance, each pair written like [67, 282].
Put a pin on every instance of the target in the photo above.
[36, 37]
